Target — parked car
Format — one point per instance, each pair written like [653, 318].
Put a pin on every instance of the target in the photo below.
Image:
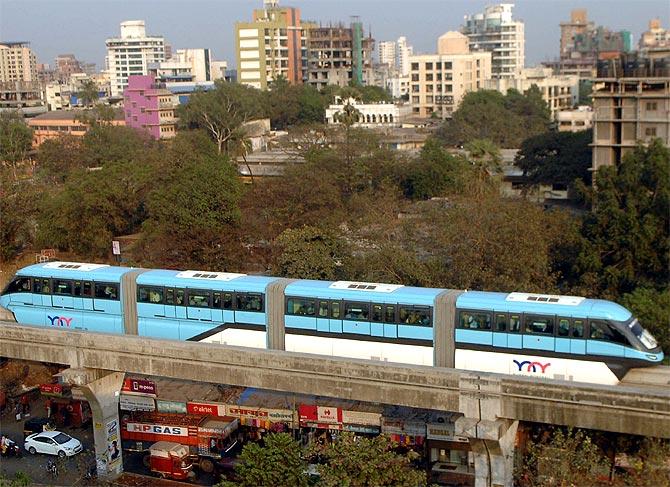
[53, 443]
[37, 425]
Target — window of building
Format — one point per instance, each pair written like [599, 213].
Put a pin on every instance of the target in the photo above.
[447, 65]
[429, 66]
[415, 66]
[429, 76]
[415, 88]
[652, 106]
[650, 131]
[415, 99]
[415, 76]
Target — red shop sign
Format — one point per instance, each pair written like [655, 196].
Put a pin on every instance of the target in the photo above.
[139, 386]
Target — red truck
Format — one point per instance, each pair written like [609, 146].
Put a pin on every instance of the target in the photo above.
[170, 460]
[207, 439]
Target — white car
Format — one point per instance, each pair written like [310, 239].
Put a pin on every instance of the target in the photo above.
[53, 443]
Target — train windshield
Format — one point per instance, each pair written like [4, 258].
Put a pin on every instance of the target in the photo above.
[642, 334]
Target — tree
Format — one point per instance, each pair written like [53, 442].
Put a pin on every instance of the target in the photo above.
[366, 462]
[506, 120]
[627, 230]
[15, 140]
[556, 158]
[278, 463]
[310, 253]
[57, 158]
[88, 93]
[652, 308]
[649, 466]
[487, 165]
[222, 111]
[17, 208]
[562, 459]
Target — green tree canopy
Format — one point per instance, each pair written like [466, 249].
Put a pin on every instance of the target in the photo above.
[366, 462]
[556, 158]
[222, 112]
[627, 230]
[310, 253]
[505, 120]
[277, 463]
[652, 308]
[88, 93]
[15, 139]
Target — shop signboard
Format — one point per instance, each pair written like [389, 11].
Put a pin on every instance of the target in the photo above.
[327, 414]
[396, 426]
[163, 406]
[444, 432]
[358, 428]
[206, 409]
[157, 429]
[139, 386]
[361, 418]
[129, 402]
[54, 390]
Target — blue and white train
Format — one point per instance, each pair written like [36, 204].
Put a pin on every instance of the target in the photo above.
[544, 336]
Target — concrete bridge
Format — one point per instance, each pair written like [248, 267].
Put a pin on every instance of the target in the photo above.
[491, 404]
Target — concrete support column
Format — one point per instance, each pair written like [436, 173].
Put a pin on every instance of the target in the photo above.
[492, 438]
[102, 390]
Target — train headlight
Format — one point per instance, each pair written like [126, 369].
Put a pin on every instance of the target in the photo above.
[651, 357]
[648, 340]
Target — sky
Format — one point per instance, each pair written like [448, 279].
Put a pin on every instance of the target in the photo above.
[80, 27]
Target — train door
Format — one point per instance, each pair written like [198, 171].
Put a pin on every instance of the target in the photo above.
[577, 341]
[377, 320]
[563, 335]
[227, 300]
[390, 321]
[500, 324]
[42, 292]
[198, 304]
[514, 337]
[335, 321]
[151, 312]
[180, 304]
[217, 312]
[170, 311]
[322, 318]
[62, 294]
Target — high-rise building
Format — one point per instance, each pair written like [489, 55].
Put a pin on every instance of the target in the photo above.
[403, 52]
[17, 62]
[338, 55]
[66, 65]
[131, 54]
[577, 26]
[270, 46]
[495, 31]
[386, 52]
[439, 81]
[631, 104]
[655, 42]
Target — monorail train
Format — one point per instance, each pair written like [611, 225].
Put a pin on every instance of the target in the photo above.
[544, 336]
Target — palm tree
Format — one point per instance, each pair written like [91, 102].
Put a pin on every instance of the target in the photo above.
[487, 161]
[88, 93]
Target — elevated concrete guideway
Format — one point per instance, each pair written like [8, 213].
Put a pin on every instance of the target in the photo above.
[623, 409]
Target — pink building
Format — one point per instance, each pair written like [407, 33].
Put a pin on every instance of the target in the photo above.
[149, 106]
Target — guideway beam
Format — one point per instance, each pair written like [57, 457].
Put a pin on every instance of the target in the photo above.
[102, 389]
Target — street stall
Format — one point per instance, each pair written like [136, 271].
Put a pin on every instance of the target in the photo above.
[450, 455]
[67, 406]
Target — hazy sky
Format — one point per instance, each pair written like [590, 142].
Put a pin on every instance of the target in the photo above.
[81, 26]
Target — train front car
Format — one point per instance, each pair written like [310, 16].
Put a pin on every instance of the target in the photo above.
[550, 337]
[70, 295]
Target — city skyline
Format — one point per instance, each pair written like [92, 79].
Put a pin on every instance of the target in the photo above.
[197, 26]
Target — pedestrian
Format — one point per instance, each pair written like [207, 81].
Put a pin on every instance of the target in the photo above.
[25, 404]
[17, 411]
[47, 405]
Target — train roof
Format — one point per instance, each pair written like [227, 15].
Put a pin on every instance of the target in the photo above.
[363, 291]
[570, 306]
[204, 280]
[75, 270]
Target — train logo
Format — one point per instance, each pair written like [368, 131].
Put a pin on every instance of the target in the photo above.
[60, 321]
[532, 366]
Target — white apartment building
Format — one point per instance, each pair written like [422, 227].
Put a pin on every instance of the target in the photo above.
[561, 92]
[581, 118]
[131, 54]
[17, 62]
[398, 85]
[439, 81]
[495, 31]
[191, 65]
[386, 52]
[403, 52]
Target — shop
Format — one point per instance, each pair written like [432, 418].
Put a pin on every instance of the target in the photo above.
[319, 424]
[66, 406]
[361, 423]
[137, 395]
[450, 456]
[408, 434]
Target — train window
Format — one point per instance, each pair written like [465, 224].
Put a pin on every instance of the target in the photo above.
[600, 330]
[62, 287]
[77, 288]
[475, 321]
[335, 310]
[377, 313]
[356, 311]
[227, 300]
[250, 302]
[150, 294]
[169, 296]
[389, 314]
[198, 298]
[501, 322]
[300, 306]
[179, 297]
[323, 309]
[514, 323]
[578, 329]
[88, 289]
[41, 286]
[563, 329]
[18, 285]
[106, 291]
[216, 300]
[543, 325]
[414, 315]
